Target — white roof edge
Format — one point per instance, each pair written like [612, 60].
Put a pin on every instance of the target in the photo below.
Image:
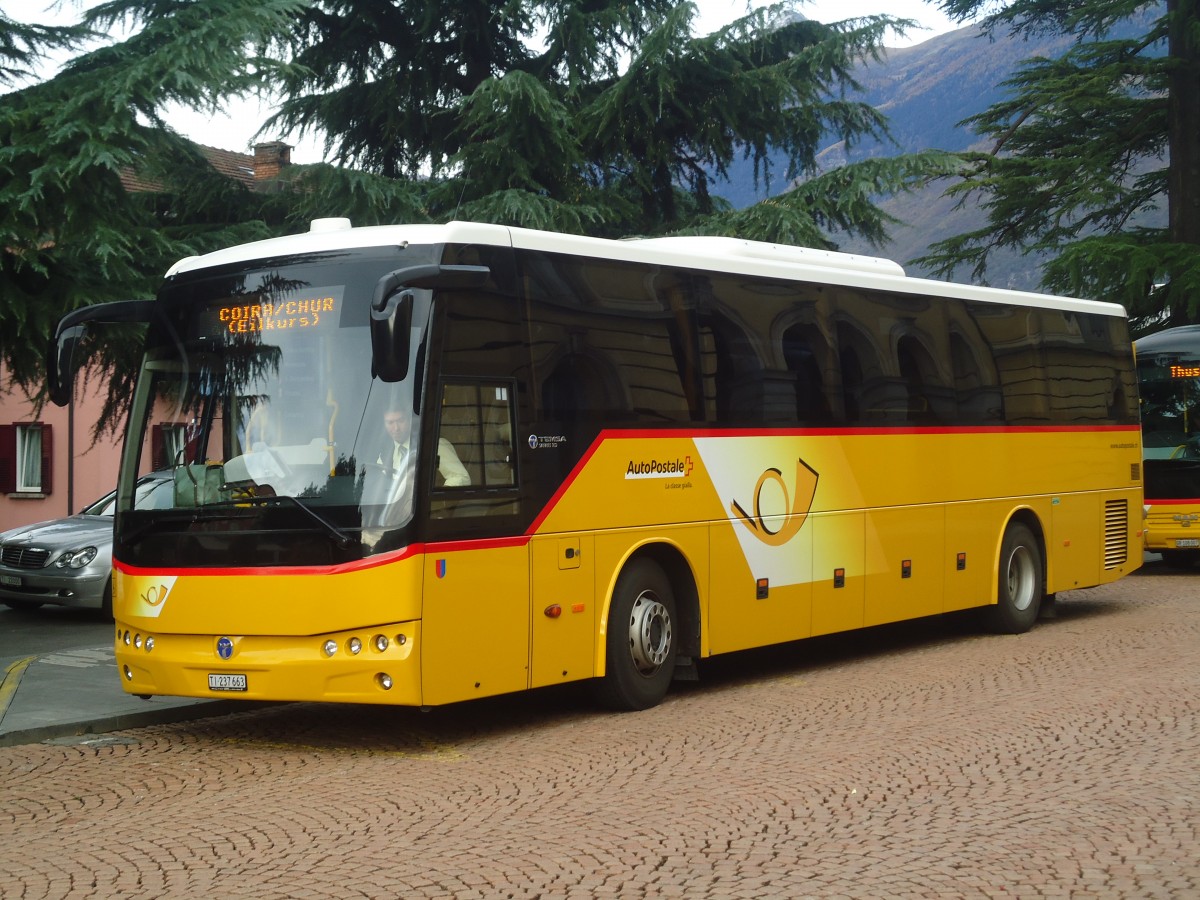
[729, 255]
[346, 239]
[711, 247]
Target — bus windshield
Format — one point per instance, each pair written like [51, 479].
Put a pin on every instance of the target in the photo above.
[258, 394]
[1170, 396]
[1171, 409]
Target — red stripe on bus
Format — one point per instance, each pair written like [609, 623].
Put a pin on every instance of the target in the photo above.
[843, 431]
[359, 565]
[689, 434]
[570, 479]
[614, 435]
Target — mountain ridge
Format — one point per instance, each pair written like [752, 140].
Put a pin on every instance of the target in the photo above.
[927, 91]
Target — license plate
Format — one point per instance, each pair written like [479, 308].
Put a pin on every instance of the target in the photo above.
[10, 580]
[225, 682]
[1188, 542]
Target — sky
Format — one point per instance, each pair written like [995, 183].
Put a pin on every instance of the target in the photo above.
[235, 129]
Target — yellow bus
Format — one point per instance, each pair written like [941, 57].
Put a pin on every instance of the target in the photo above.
[1168, 367]
[423, 464]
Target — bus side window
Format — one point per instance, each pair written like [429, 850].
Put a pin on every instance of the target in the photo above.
[477, 420]
[499, 456]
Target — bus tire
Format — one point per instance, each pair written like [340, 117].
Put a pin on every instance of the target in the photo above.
[641, 643]
[1022, 583]
[1180, 559]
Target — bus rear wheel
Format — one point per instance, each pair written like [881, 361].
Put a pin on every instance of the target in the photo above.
[1021, 583]
[641, 642]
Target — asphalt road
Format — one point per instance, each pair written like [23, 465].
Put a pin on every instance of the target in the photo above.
[49, 629]
[912, 761]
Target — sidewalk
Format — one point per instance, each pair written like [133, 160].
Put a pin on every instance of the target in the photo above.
[72, 692]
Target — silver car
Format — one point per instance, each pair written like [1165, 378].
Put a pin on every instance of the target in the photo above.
[68, 562]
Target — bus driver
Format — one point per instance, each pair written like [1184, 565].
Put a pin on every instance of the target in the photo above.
[398, 425]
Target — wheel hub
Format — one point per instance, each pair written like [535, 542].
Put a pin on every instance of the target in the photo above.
[1021, 578]
[649, 633]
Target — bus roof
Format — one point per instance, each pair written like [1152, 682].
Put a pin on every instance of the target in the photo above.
[1180, 338]
[717, 254]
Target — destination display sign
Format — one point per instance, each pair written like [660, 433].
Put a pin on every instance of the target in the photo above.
[258, 314]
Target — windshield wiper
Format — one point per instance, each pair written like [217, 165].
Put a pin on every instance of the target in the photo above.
[342, 539]
[239, 509]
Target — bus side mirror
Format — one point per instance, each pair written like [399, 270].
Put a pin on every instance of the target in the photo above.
[60, 369]
[390, 328]
[70, 332]
[392, 310]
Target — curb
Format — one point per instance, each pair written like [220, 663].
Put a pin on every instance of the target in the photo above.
[201, 709]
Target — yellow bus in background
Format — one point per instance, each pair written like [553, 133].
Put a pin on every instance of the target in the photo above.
[1168, 366]
[619, 458]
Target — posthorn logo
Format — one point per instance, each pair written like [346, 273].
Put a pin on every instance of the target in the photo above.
[776, 518]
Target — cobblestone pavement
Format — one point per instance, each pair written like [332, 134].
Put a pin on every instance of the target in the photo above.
[922, 760]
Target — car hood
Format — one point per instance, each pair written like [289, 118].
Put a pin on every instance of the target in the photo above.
[62, 534]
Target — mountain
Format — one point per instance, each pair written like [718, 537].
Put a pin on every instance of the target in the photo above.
[926, 91]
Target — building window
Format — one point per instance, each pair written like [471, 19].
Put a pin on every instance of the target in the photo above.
[29, 458]
[26, 455]
[168, 444]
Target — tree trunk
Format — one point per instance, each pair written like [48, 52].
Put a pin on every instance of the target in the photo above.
[1184, 122]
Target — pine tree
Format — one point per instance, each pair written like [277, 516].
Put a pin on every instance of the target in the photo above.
[70, 234]
[617, 121]
[601, 116]
[1086, 148]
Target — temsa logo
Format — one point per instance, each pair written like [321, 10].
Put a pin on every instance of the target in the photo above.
[790, 515]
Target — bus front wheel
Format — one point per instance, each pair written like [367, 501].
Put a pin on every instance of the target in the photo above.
[1180, 559]
[1021, 582]
[641, 641]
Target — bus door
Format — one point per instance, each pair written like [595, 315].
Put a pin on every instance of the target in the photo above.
[476, 584]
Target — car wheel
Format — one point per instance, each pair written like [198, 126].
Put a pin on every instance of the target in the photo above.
[23, 605]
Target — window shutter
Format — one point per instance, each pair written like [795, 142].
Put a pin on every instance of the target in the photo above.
[47, 460]
[8, 459]
[191, 448]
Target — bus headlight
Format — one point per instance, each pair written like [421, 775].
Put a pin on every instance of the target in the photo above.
[354, 645]
[330, 647]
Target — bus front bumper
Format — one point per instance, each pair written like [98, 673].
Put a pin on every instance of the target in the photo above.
[378, 664]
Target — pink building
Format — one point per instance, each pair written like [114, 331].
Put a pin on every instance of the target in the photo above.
[49, 465]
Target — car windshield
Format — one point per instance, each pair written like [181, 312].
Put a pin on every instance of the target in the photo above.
[150, 493]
